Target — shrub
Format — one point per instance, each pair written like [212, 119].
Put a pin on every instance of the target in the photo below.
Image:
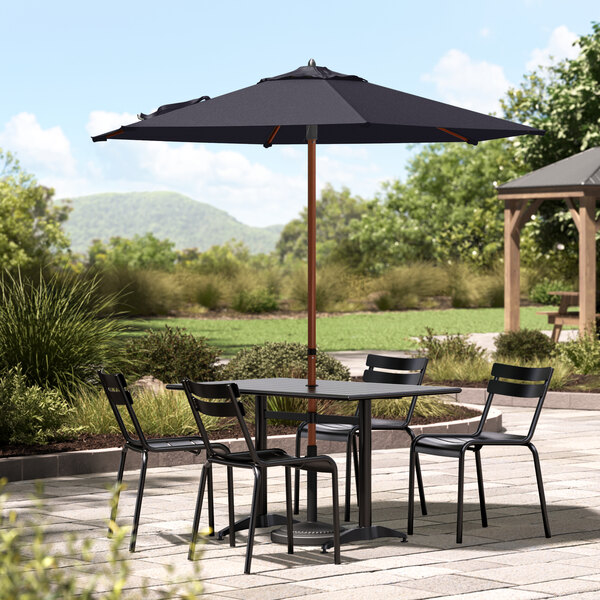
[172, 355]
[141, 292]
[582, 353]
[30, 414]
[332, 287]
[208, 292]
[283, 359]
[470, 289]
[455, 347]
[58, 330]
[255, 301]
[525, 345]
[406, 287]
[539, 292]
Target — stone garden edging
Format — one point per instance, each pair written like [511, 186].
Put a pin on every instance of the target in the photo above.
[106, 460]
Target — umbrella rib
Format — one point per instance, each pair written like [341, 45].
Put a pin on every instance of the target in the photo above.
[272, 136]
[457, 135]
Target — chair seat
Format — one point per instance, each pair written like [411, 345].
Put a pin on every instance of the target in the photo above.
[451, 445]
[387, 424]
[330, 431]
[279, 457]
[190, 444]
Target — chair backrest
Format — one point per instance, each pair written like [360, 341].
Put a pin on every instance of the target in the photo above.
[523, 382]
[119, 396]
[197, 394]
[406, 370]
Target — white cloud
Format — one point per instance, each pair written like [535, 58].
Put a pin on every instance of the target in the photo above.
[101, 121]
[560, 46]
[460, 80]
[37, 148]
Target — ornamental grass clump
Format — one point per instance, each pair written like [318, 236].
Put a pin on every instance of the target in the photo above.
[59, 330]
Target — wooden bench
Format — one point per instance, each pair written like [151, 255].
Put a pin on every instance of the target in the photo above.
[562, 316]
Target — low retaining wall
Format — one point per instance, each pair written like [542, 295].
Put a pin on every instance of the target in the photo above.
[106, 460]
[564, 400]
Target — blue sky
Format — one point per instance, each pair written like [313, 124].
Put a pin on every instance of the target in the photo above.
[74, 69]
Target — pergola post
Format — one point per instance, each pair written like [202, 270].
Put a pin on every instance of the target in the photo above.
[587, 264]
[512, 264]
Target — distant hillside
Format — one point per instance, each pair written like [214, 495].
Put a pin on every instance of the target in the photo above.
[188, 223]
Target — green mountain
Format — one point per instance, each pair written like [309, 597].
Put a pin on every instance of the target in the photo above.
[188, 223]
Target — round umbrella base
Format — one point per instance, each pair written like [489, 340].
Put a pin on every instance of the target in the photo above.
[308, 533]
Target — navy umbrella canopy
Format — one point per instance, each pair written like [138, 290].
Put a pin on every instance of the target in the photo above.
[346, 108]
[308, 105]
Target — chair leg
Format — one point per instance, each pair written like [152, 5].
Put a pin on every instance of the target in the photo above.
[420, 486]
[297, 477]
[484, 521]
[211, 504]
[336, 519]
[288, 509]
[540, 484]
[115, 499]
[252, 523]
[411, 490]
[349, 456]
[356, 467]
[230, 504]
[201, 486]
[138, 502]
[459, 508]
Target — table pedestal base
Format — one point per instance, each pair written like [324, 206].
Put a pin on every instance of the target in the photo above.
[308, 533]
[361, 534]
[261, 521]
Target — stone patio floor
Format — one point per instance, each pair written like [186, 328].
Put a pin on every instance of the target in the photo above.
[511, 559]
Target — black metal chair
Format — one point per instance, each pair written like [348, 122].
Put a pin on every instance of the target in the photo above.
[119, 397]
[406, 371]
[256, 460]
[522, 382]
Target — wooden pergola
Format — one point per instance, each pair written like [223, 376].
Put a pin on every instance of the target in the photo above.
[576, 180]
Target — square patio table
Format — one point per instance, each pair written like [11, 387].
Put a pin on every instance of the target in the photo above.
[364, 393]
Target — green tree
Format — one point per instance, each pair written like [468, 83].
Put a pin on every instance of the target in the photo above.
[30, 224]
[335, 212]
[563, 100]
[447, 210]
[140, 252]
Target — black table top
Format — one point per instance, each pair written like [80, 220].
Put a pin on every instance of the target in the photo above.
[332, 390]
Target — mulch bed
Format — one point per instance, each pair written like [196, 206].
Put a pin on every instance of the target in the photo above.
[114, 440]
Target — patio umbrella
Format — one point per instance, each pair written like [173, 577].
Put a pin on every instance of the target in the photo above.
[308, 105]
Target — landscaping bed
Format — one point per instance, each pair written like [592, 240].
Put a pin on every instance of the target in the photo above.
[113, 440]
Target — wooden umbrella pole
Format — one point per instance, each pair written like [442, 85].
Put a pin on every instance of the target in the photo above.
[312, 282]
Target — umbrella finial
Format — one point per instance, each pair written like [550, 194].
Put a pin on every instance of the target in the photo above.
[312, 63]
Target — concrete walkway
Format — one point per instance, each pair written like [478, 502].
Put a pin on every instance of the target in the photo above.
[510, 559]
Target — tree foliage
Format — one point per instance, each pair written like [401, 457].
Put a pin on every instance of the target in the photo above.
[563, 100]
[140, 252]
[335, 213]
[30, 224]
[447, 210]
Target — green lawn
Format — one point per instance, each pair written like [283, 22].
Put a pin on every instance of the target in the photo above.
[374, 331]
